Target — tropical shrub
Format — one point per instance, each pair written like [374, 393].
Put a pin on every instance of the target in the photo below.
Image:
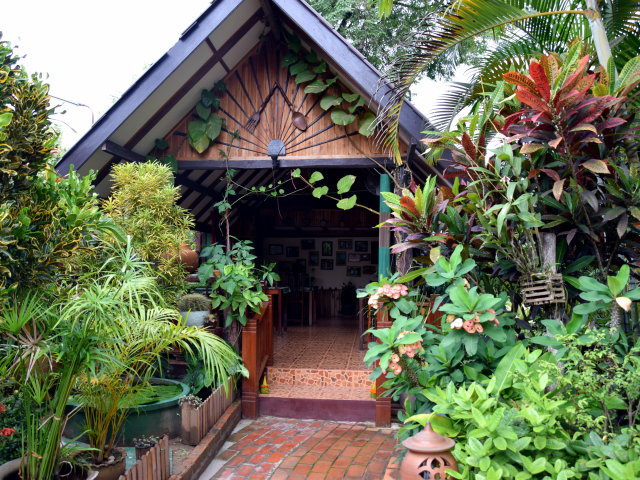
[11, 421]
[144, 204]
[45, 219]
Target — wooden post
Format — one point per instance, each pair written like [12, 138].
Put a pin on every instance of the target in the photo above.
[249, 356]
[384, 237]
[383, 404]
[269, 330]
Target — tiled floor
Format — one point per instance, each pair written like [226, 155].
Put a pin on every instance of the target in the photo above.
[322, 361]
[278, 449]
[330, 344]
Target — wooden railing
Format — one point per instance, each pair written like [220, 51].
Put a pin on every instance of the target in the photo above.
[197, 421]
[257, 354]
[154, 465]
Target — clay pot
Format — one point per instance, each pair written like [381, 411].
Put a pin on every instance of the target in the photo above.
[9, 470]
[188, 257]
[112, 470]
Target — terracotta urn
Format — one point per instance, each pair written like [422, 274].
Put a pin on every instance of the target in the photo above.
[188, 257]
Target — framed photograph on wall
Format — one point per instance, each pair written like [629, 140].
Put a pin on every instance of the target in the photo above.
[341, 258]
[354, 257]
[345, 244]
[326, 264]
[362, 246]
[365, 257]
[314, 258]
[293, 252]
[327, 248]
[353, 271]
[308, 244]
[275, 249]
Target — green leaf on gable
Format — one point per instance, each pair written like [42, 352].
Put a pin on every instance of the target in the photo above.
[347, 203]
[202, 111]
[317, 86]
[366, 125]
[298, 67]
[340, 117]
[305, 76]
[316, 177]
[213, 127]
[329, 101]
[289, 59]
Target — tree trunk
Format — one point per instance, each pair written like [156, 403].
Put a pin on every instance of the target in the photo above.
[598, 33]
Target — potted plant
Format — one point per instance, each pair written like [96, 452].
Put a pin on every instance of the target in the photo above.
[194, 308]
[143, 444]
[137, 327]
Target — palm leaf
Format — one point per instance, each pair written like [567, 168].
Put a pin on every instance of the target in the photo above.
[442, 31]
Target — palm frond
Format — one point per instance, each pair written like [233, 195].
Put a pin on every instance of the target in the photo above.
[441, 31]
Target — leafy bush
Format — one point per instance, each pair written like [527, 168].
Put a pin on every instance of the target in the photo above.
[11, 421]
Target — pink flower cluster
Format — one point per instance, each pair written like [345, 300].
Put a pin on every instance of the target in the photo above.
[408, 350]
[390, 291]
[472, 325]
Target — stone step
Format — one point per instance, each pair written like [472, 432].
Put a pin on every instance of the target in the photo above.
[308, 377]
[318, 408]
[313, 391]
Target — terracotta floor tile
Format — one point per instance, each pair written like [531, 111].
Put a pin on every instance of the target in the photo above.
[339, 458]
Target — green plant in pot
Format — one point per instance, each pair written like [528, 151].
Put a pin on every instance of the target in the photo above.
[194, 308]
[238, 288]
[137, 329]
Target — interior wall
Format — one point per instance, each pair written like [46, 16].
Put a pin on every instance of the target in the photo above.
[349, 259]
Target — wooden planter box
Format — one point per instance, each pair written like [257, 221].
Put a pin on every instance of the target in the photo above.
[542, 289]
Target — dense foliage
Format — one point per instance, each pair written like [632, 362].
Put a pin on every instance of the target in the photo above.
[565, 175]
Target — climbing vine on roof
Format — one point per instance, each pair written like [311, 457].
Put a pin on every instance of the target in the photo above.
[311, 71]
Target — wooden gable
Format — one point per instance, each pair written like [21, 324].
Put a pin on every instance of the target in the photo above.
[259, 78]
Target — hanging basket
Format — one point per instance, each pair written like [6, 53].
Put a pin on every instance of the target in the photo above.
[542, 289]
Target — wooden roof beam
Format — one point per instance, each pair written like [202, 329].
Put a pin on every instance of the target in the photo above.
[348, 162]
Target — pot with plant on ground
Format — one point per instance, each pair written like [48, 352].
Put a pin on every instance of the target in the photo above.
[194, 308]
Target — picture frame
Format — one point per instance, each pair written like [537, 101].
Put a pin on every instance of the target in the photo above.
[327, 248]
[308, 244]
[326, 264]
[354, 271]
[293, 252]
[362, 246]
[345, 244]
[275, 249]
[314, 258]
[353, 258]
[365, 257]
[341, 258]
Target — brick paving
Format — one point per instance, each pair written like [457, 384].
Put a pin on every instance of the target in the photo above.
[278, 449]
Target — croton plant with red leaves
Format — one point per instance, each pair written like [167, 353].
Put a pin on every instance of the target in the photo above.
[563, 116]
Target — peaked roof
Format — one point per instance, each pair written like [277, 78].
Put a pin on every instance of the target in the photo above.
[207, 51]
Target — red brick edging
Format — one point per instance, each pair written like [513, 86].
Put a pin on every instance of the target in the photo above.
[206, 450]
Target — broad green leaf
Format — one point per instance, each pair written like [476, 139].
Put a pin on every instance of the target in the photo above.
[340, 117]
[347, 203]
[298, 67]
[500, 443]
[317, 86]
[203, 112]
[366, 125]
[305, 76]
[505, 368]
[296, 173]
[316, 177]
[206, 98]
[500, 221]
[320, 191]
[289, 59]
[470, 342]
[5, 119]
[213, 127]
[320, 68]
[630, 73]
[198, 138]
[350, 97]
[345, 183]
[619, 282]
[329, 101]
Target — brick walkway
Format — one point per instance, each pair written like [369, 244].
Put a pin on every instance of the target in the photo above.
[278, 449]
